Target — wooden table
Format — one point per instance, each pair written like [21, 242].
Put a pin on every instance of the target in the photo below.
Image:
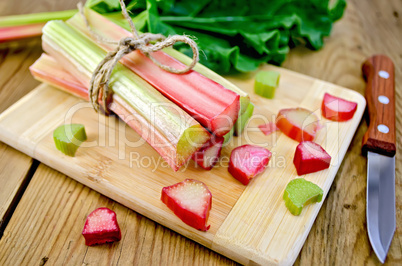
[41, 218]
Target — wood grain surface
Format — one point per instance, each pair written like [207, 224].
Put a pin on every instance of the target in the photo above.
[248, 224]
[338, 236]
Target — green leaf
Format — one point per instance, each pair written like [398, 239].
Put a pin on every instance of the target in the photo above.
[103, 6]
[236, 35]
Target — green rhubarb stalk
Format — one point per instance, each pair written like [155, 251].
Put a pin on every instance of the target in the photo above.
[26, 19]
[171, 131]
[243, 119]
[211, 104]
[228, 136]
[48, 70]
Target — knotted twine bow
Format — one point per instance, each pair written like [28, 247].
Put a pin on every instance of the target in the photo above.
[101, 76]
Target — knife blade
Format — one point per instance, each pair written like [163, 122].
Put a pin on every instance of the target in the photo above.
[379, 143]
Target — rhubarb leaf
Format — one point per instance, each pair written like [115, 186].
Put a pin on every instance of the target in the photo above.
[236, 35]
[103, 6]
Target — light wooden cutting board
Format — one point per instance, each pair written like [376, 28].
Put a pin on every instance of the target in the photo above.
[248, 224]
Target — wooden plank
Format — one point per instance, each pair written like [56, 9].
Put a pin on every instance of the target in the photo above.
[134, 174]
[14, 170]
[47, 225]
[14, 165]
[339, 234]
[15, 82]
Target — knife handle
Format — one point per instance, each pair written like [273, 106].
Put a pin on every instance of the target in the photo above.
[379, 74]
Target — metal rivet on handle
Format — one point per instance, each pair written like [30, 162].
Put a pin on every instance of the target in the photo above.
[383, 129]
[383, 99]
[384, 74]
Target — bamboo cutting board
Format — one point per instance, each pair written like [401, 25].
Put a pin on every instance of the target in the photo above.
[248, 224]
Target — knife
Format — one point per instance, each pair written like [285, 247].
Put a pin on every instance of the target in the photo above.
[379, 143]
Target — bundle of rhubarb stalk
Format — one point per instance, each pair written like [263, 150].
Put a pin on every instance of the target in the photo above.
[181, 116]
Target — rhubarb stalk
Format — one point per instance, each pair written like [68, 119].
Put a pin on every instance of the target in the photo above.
[47, 69]
[20, 32]
[172, 132]
[211, 104]
[28, 25]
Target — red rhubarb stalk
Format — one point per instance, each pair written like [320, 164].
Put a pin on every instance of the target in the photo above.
[17, 27]
[209, 155]
[211, 104]
[20, 32]
[46, 69]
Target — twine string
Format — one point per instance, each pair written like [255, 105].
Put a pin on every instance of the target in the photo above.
[146, 43]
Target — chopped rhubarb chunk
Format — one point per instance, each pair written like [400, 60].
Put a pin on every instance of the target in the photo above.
[298, 123]
[247, 161]
[265, 83]
[299, 193]
[310, 157]
[337, 109]
[268, 128]
[191, 201]
[101, 227]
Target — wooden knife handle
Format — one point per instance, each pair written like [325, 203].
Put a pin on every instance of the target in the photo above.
[379, 73]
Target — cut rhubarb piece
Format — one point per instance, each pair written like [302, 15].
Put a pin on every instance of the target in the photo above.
[268, 128]
[170, 130]
[69, 137]
[337, 109]
[101, 227]
[310, 157]
[208, 155]
[211, 104]
[191, 201]
[247, 161]
[299, 193]
[265, 83]
[298, 123]
[243, 119]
